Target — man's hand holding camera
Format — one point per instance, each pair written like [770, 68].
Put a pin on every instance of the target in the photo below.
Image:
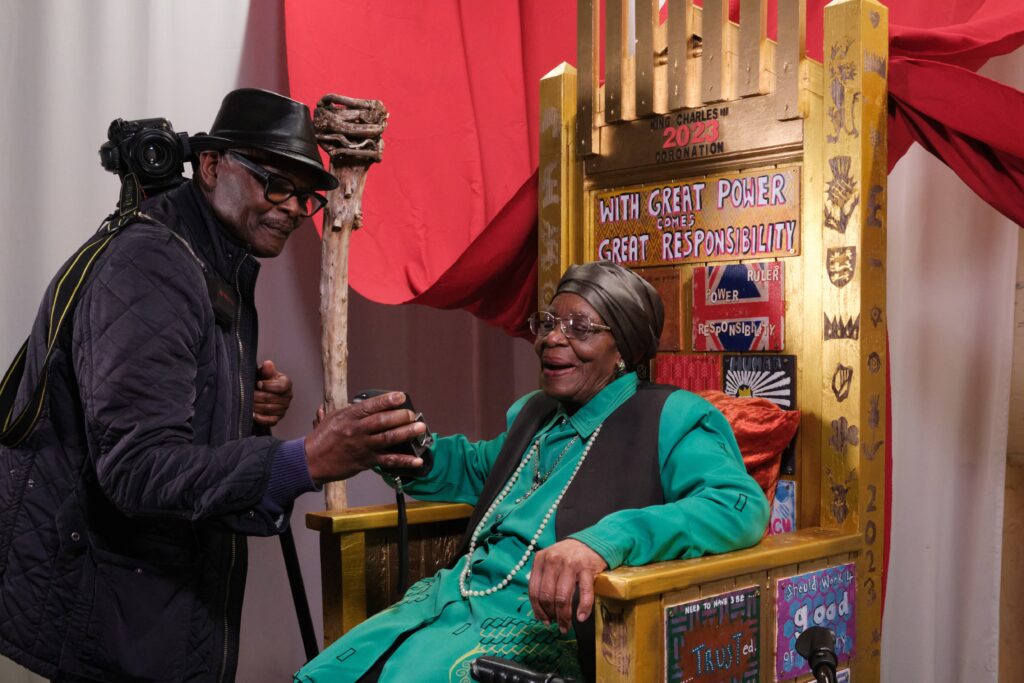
[359, 436]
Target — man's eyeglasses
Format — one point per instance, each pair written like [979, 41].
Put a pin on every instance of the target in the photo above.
[573, 326]
[277, 189]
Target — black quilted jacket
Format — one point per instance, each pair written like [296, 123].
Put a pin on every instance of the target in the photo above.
[123, 515]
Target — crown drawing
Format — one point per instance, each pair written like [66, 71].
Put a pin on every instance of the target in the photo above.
[837, 328]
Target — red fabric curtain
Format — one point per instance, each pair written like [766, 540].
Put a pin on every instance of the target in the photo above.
[450, 214]
[968, 121]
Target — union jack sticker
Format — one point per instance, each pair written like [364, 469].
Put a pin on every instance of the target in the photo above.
[739, 307]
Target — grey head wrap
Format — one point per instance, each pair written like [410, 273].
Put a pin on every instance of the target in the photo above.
[628, 304]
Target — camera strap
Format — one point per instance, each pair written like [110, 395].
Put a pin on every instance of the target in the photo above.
[69, 282]
[69, 279]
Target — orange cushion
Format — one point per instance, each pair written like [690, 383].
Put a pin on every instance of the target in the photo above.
[762, 429]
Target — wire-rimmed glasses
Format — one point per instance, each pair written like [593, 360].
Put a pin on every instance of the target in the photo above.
[573, 326]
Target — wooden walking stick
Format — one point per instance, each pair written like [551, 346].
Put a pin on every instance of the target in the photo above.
[349, 130]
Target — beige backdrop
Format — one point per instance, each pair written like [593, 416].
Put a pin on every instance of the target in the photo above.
[952, 270]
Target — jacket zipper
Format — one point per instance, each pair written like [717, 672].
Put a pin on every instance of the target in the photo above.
[227, 597]
[241, 421]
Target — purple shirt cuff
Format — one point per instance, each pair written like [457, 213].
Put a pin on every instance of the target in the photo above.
[289, 479]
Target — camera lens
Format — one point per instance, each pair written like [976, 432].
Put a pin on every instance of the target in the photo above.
[149, 149]
[155, 153]
[154, 156]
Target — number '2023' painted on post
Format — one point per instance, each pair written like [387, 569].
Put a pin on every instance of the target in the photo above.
[690, 134]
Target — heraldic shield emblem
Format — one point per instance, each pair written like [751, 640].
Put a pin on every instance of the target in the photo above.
[841, 264]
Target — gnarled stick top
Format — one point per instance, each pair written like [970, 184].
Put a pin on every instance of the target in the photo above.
[349, 129]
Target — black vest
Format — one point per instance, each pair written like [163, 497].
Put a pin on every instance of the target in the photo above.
[621, 472]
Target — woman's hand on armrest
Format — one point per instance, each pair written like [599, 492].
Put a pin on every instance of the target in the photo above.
[556, 573]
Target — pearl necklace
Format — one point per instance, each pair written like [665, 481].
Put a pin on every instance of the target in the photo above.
[464, 577]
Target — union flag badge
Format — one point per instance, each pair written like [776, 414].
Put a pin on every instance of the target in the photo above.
[739, 307]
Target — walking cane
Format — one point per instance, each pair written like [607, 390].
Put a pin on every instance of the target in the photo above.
[349, 130]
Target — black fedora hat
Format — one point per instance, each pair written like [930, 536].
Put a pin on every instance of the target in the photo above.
[272, 123]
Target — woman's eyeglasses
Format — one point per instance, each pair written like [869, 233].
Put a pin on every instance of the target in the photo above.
[277, 189]
[573, 326]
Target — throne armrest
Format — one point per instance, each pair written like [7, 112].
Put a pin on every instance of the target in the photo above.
[631, 602]
[385, 516]
[359, 555]
[804, 545]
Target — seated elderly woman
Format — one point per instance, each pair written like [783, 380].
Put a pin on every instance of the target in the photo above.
[595, 471]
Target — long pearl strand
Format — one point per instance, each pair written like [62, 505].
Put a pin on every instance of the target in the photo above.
[464, 578]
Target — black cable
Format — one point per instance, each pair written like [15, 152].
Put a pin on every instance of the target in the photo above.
[291, 565]
[403, 540]
[823, 674]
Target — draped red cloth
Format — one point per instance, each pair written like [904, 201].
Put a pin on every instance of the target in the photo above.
[451, 213]
[968, 121]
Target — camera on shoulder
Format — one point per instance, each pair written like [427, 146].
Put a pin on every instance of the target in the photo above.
[149, 149]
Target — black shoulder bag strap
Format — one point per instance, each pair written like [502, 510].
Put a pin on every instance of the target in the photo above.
[14, 428]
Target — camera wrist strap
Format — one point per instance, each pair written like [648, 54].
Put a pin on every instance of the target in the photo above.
[403, 538]
[69, 279]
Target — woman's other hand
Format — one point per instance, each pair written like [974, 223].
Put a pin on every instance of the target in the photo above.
[556, 574]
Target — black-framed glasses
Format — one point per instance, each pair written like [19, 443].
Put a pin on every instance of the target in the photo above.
[277, 189]
[573, 326]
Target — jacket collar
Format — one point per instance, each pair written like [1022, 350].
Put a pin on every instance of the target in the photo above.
[595, 411]
[186, 211]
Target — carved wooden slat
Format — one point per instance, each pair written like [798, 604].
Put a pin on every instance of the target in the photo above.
[680, 16]
[587, 63]
[753, 76]
[669, 285]
[630, 643]
[358, 556]
[646, 18]
[351, 601]
[717, 587]
[789, 54]
[330, 569]
[716, 57]
[690, 594]
[559, 183]
[853, 279]
[431, 547]
[763, 580]
[614, 58]
[381, 569]
[804, 302]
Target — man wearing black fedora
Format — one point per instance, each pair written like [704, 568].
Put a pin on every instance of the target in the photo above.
[124, 510]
